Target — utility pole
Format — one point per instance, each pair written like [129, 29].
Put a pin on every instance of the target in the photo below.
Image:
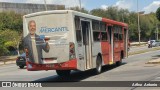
[80, 4]
[45, 4]
[157, 30]
[139, 32]
[17, 44]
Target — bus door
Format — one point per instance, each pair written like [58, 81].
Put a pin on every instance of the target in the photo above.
[86, 40]
[110, 34]
[116, 43]
[125, 35]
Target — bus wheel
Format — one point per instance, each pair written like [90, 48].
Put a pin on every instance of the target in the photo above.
[21, 67]
[98, 65]
[118, 63]
[63, 73]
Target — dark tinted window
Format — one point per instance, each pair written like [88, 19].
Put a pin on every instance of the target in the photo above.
[95, 25]
[104, 36]
[96, 36]
[78, 35]
[78, 29]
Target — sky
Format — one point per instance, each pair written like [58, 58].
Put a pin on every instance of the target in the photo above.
[143, 5]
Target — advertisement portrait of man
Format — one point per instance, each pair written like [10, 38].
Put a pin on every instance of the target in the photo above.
[35, 44]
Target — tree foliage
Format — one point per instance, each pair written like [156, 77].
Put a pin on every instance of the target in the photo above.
[147, 22]
[78, 9]
[158, 13]
[10, 31]
[11, 20]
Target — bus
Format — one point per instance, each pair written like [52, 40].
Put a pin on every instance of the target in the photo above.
[65, 40]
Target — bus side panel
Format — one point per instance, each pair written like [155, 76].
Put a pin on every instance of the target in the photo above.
[105, 52]
[117, 51]
[80, 57]
[96, 48]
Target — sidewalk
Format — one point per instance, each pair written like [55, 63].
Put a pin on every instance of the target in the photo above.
[154, 61]
[7, 59]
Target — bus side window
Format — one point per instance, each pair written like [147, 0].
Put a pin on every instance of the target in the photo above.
[103, 31]
[96, 36]
[96, 30]
[104, 36]
[115, 36]
[78, 35]
[77, 28]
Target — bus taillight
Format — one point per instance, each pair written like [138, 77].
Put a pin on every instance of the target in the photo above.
[71, 51]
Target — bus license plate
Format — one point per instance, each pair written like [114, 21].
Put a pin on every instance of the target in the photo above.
[50, 66]
[21, 59]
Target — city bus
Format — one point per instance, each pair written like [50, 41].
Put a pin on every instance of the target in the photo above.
[65, 40]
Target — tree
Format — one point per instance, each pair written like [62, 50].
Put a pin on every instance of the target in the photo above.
[3, 49]
[11, 20]
[10, 38]
[78, 9]
[158, 13]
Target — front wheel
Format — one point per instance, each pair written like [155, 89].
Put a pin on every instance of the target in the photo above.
[63, 73]
[21, 67]
[118, 63]
[98, 65]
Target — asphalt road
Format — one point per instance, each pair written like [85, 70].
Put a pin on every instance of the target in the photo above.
[138, 48]
[132, 69]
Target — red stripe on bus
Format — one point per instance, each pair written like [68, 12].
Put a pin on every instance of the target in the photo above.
[69, 65]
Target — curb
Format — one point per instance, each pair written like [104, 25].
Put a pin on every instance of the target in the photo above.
[144, 51]
[154, 61]
[7, 62]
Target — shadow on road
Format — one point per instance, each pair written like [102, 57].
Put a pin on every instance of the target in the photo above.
[76, 75]
[156, 57]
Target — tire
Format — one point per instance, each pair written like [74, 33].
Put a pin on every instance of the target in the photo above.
[21, 67]
[98, 68]
[118, 63]
[157, 45]
[63, 73]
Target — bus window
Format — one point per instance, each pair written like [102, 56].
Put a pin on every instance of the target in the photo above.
[78, 30]
[95, 25]
[104, 36]
[96, 36]
[116, 36]
[103, 31]
[78, 35]
[115, 33]
[102, 26]
[96, 30]
[120, 36]
[118, 33]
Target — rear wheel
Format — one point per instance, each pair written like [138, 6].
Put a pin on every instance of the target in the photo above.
[118, 63]
[98, 65]
[21, 67]
[63, 73]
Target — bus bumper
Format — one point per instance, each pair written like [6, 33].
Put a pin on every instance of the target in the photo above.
[69, 65]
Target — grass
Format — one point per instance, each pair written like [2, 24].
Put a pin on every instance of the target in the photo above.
[143, 51]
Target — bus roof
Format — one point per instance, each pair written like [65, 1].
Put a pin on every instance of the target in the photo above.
[109, 21]
[63, 12]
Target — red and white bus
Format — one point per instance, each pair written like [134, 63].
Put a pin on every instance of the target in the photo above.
[74, 41]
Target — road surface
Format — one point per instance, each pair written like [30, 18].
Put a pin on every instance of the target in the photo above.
[132, 69]
[138, 48]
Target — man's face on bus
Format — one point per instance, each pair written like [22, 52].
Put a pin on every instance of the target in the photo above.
[32, 27]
